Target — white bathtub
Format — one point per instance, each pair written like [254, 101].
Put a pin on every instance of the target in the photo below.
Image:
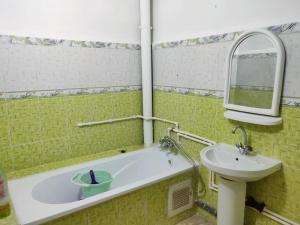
[47, 196]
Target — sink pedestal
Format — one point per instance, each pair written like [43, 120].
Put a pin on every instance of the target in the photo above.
[231, 202]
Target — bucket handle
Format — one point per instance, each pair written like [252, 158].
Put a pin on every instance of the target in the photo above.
[76, 180]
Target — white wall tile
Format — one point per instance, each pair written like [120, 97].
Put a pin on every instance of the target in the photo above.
[204, 66]
[30, 68]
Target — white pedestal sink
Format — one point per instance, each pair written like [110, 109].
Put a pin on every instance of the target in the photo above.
[235, 170]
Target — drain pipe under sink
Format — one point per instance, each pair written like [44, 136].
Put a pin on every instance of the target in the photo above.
[261, 208]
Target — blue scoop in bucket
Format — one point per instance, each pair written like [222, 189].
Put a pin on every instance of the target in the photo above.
[93, 178]
[93, 182]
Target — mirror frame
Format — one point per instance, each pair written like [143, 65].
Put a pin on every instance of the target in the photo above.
[274, 110]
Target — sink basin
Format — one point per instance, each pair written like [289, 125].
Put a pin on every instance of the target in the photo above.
[235, 170]
[226, 161]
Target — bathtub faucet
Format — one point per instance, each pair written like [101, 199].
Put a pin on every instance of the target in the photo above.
[168, 143]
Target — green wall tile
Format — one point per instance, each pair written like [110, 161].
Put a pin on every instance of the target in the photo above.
[40, 130]
[204, 116]
[37, 131]
[5, 156]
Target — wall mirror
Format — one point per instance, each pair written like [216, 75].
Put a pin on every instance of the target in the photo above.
[255, 74]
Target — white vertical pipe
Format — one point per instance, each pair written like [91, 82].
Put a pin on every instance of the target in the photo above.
[145, 14]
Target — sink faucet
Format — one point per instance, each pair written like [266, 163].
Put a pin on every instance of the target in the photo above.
[243, 146]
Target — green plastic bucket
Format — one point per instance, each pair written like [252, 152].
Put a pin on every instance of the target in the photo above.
[83, 179]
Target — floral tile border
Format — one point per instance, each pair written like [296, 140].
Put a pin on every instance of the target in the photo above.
[256, 55]
[62, 92]
[189, 91]
[278, 29]
[216, 93]
[290, 101]
[11, 39]
[253, 88]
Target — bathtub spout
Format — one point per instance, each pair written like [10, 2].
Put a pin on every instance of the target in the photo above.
[170, 144]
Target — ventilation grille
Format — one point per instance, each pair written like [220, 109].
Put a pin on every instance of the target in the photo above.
[180, 197]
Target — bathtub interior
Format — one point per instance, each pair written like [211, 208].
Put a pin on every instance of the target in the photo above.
[59, 189]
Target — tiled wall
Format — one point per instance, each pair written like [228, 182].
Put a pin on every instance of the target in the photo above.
[199, 65]
[189, 82]
[41, 130]
[34, 66]
[204, 116]
[47, 86]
